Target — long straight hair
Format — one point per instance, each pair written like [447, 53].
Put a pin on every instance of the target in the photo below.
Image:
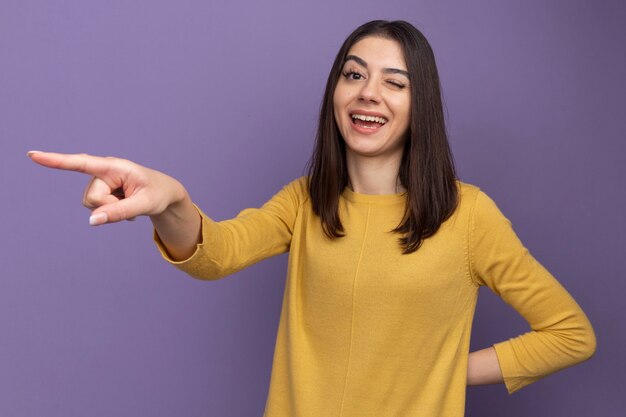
[427, 167]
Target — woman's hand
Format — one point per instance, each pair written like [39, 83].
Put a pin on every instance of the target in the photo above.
[119, 189]
[122, 190]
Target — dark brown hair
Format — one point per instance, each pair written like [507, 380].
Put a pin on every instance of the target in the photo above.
[427, 168]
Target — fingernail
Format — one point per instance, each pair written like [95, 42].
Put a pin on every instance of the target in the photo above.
[97, 219]
[30, 153]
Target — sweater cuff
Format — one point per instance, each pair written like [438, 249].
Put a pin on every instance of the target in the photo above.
[512, 372]
[209, 238]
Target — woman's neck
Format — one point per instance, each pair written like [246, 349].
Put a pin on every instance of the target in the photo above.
[373, 175]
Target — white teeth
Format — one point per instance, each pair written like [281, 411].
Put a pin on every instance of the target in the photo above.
[365, 118]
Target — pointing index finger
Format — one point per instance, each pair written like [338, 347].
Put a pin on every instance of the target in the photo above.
[87, 164]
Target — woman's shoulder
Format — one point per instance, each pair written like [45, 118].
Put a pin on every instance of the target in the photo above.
[467, 191]
[480, 206]
[473, 199]
[299, 186]
[296, 190]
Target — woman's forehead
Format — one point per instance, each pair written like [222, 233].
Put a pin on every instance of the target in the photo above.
[378, 51]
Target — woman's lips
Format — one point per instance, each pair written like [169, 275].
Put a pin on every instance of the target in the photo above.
[367, 124]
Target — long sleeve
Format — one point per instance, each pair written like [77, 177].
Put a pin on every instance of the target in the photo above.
[560, 335]
[255, 234]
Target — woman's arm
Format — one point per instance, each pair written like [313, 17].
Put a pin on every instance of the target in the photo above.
[121, 190]
[560, 333]
[483, 368]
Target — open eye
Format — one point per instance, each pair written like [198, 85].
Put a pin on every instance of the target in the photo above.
[352, 75]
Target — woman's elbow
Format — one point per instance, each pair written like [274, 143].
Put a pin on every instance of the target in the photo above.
[586, 344]
[589, 345]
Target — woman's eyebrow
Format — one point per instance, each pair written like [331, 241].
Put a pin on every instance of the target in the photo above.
[362, 63]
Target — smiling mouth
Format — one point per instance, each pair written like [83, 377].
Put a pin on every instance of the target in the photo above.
[368, 122]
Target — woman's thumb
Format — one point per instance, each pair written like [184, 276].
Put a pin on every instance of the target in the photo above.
[125, 209]
[99, 218]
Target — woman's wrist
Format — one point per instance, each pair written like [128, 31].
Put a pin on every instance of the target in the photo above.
[179, 227]
[483, 367]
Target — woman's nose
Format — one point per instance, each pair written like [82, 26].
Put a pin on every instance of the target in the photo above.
[370, 90]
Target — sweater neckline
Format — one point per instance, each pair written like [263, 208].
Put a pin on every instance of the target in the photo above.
[379, 199]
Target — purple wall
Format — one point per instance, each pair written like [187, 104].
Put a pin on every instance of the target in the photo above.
[224, 96]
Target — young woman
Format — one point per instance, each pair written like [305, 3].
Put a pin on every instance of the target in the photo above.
[387, 250]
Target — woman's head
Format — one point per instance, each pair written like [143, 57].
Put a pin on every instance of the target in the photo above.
[426, 168]
[372, 101]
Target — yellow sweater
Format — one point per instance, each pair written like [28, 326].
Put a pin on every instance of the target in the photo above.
[367, 331]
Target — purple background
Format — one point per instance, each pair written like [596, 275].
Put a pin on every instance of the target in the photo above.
[224, 96]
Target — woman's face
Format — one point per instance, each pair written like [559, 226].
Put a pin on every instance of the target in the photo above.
[372, 99]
